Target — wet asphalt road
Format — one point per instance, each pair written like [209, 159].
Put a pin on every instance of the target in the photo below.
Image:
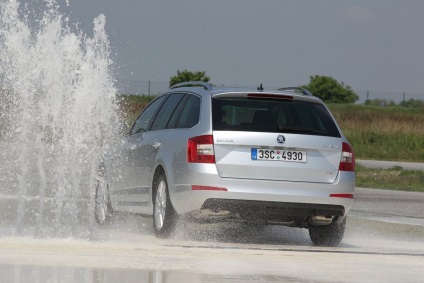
[384, 242]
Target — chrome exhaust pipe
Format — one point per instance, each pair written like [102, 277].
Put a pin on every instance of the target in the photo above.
[321, 220]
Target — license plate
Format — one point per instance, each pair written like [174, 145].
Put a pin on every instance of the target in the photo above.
[278, 155]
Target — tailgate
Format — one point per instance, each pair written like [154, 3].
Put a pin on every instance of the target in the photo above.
[261, 156]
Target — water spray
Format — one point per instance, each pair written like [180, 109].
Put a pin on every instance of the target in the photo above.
[58, 114]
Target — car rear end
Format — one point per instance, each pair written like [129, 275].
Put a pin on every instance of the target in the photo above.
[275, 157]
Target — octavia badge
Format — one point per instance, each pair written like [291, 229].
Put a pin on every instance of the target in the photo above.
[281, 139]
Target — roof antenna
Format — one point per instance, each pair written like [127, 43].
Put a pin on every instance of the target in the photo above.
[260, 88]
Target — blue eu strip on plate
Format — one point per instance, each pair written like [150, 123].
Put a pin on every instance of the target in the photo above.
[254, 153]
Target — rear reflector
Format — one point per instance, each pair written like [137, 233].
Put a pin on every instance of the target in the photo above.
[347, 161]
[200, 149]
[207, 188]
[341, 196]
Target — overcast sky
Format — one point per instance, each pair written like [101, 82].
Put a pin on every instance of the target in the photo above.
[368, 44]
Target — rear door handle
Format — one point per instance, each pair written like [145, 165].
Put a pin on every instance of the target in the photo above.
[156, 145]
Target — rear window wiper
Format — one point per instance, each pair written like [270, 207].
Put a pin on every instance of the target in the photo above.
[290, 129]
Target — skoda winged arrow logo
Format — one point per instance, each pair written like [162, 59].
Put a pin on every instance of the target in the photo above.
[281, 139]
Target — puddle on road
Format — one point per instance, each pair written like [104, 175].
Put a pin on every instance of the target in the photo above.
[33, 273]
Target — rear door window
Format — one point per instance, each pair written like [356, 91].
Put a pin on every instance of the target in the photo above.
[265, 115]
[176, 114]
[166, 111]
[191, 113]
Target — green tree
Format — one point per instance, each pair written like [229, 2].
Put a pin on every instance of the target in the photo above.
[330, 90]
[186, 76]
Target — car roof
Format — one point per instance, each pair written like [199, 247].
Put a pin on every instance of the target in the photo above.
[297, 93]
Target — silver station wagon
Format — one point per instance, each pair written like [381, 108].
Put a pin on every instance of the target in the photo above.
[236, 155]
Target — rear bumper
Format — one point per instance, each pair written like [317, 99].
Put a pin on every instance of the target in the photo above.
[265, 212]
[262, 209]
[290, 198]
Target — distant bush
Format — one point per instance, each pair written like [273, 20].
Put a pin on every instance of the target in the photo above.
[130, 105]
[186, 76]
[380, 102]
[412, 103]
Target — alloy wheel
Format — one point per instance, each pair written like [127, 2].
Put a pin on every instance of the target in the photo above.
[160, 205]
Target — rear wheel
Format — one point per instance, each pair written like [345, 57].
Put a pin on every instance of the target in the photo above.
[327, 235]
[103, 209]
[164, 216]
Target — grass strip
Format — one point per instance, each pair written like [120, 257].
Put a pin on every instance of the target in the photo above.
[395, 178]
[382, 133]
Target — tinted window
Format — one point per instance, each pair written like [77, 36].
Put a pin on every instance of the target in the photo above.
[144, 120]
[174, 118]
[166, 111]
[280, 116]
[190, 114]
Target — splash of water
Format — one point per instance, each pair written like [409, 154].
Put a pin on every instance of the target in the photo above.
[58, 112]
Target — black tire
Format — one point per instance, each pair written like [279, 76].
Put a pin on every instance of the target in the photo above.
[164, 215]
[102, 206]
[327, 235]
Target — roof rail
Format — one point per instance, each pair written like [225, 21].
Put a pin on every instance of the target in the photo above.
[205, 85]
[298, 89]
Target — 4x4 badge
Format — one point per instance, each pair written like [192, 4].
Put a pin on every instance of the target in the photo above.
[281, 139]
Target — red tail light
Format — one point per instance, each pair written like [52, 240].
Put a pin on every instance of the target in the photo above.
[200, 149]
[347, 162]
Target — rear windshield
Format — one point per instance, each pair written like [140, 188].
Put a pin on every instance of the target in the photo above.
[279, 116]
